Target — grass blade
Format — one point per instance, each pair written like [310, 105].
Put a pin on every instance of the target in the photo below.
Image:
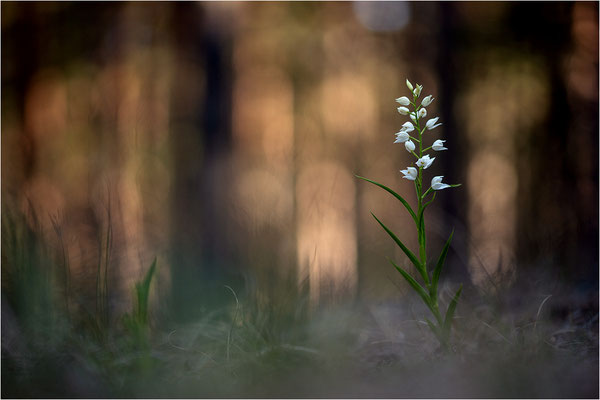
[450, 312]
[405, 249]
[438, 268]
[415, 285]
[396, 195]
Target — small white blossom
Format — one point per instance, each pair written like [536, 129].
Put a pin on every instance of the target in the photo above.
[403, 110]
[422, 112]
[417, 90]
[404, 101]
[407, 127]
[438, 145]
[431, 124]
[436, 183]
[410, 173]
[410, 146]
[425, 161]
[427, 101]
[413, 116]
[409, 85]
[402, 137]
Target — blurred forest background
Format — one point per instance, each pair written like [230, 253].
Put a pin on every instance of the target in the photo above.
[223, 138]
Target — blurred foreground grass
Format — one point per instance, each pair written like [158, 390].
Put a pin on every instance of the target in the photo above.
[535, 341]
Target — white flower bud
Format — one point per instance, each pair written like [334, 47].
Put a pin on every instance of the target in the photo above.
[417, 91]
[404, 101]
[422, 112]
[408, 127]
[403, 110]
[427, 101]
[431, 124]
[409, 85]
[402, 137]
[410, 146]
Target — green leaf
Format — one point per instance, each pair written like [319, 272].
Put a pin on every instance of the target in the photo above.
[420, 216]
[450, 312]
[396, 195]
[405, 249]
[142, 290]
[435, 330]
[415, 285]
[421, 230]
[438, 268]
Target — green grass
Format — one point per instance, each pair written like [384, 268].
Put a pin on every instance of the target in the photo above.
[515, 344]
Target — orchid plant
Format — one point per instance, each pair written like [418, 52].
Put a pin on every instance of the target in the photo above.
[412, 132]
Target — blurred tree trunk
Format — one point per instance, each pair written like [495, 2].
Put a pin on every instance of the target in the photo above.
[201, 141]
[451, 47]
[24, 57]
[559, 223]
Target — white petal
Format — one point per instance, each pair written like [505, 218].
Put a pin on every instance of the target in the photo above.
[409, 85]
[440, 186]
[410, 146]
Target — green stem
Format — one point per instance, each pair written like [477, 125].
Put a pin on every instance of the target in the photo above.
[421, 221]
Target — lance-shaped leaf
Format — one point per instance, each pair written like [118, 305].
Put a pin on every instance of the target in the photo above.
[450, 312]
[396, 195]
[415, 285]
[413, 259]
[438, 268]
[142, 290]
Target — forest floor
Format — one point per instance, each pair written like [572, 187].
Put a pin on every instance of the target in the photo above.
[532, 344]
